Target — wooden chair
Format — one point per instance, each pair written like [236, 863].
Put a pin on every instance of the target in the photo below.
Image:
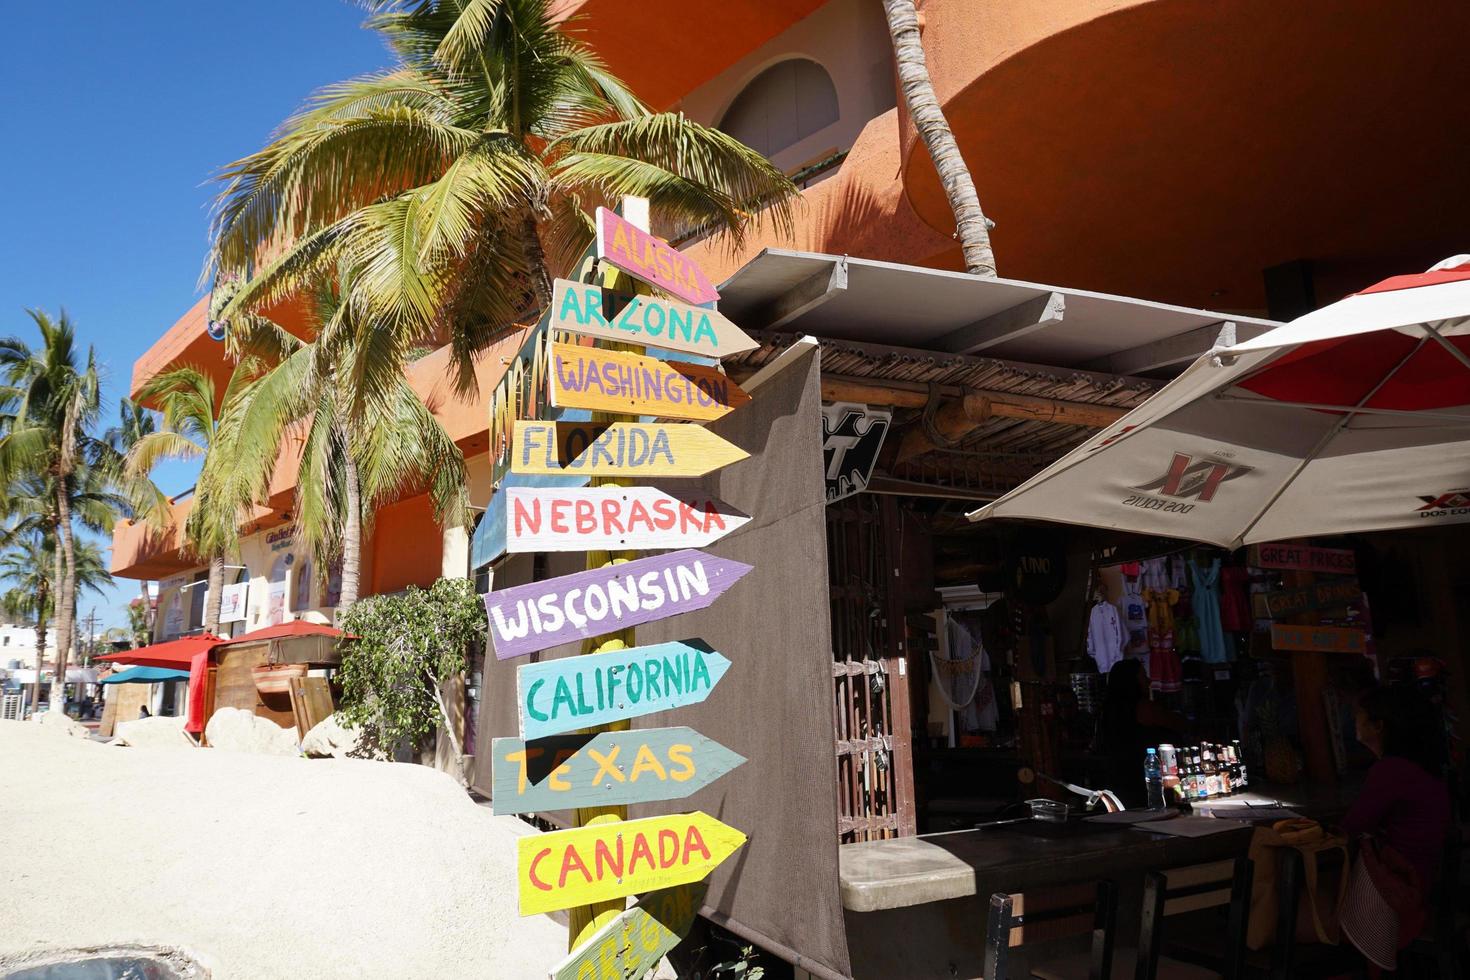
[1222, 884]
[1057, 913]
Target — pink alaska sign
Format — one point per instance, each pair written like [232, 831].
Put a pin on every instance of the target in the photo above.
[651, 259]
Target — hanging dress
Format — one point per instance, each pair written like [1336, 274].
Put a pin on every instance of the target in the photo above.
[1206, 600]
[1235, 600]
[1135, 616]
[1106, 640]
[1165, 671]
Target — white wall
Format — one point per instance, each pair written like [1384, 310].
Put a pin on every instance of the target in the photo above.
[19, 643]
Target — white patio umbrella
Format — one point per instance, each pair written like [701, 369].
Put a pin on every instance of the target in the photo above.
[1355, 417]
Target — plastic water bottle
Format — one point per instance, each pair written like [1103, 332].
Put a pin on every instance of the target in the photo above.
[1153, 780]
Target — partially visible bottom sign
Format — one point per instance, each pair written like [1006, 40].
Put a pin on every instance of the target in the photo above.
[633, 943]
[1321, 639]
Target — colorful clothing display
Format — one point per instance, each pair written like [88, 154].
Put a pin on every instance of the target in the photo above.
[1166, 673]
[1106, 640]
[1235, 600]
[1206, 601]
[1135, 616]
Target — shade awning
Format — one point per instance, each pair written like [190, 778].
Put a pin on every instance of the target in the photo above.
[282, 631]
[175, 654]
[146, 675]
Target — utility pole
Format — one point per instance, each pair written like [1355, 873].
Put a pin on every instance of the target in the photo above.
[90, 649]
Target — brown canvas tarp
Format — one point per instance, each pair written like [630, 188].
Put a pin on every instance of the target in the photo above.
[774, 704]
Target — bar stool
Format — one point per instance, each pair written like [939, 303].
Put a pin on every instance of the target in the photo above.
[1056, 914]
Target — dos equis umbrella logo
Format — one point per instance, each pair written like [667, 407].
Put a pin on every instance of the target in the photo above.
[1186, 479]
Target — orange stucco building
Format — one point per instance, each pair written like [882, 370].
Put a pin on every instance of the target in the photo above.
[1257, 157]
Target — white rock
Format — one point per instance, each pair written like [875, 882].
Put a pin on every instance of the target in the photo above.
[61, 723]
[235, 730]
[153, 732]
[331, 739]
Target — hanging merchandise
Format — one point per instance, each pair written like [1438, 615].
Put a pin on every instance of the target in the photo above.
[961, 678]
[1207, 611]
[1235, 601]
[1106, 640]
[1135, 613]
[1165, 671]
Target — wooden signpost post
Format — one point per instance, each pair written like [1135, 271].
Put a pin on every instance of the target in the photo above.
[559, 696]
[582, 605]
[633, 943]
[613, 860]
[625, 246]
[612, 381]
[566, 771]
[587, 518]
[619, 449]
[671, 325]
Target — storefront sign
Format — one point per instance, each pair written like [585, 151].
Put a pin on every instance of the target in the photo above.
[280, 539]
[578, 692]
[605, 769]
[233, 602]
[633, 384]
[1321, 639]
[532, 617]
[613, 518]
[852, 436]
[651, 320]
[627, 247]
[631, 945]
[612, 860]
[619, 449]
[1327, 594]
[1298, 557]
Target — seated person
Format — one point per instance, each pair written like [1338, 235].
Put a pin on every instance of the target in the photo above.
[1128, 725]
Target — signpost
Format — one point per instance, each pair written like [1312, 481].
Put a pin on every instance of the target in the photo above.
[1319, 639]
[559, 696]
[633, 943]
[627, 247]
[582, 605]
[578, 307]
[1326, 594]
[619, 449]
[613, 860]
[603, 769]
[613, 518]
[612, 381]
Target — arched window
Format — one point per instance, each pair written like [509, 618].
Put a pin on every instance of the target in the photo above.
[782, 106]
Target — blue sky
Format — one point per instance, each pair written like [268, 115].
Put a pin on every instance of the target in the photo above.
[115, 117]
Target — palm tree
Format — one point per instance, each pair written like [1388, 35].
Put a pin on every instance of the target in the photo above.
[134, 423]
[27, 565]
[972, 227]
[190, 429]
[454, 185]
[352, 462]
[52, 397]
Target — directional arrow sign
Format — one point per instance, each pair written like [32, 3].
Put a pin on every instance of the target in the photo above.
[532, 617]
[634, 384]
[611, 860]
[604, 769]
[651, 320]
[633, 943]
[613, 519]
[619, 449]
[564, 695]
[626, 246]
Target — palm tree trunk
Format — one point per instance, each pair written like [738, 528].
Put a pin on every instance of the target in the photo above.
[972, 228]
[536, 258]
[42, 597]
[66, 600]
[216, 594]
[351, 533]
[147, 608]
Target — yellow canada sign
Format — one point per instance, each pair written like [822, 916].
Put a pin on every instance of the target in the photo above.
[566, 868]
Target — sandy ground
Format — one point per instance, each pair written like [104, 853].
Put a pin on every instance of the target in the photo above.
[259, 867]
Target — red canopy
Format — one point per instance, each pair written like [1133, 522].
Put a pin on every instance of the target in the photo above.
[296, 627]
[178, 654]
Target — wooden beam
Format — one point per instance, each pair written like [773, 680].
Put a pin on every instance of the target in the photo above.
[1009, 324]
[801, 298]
[957, 419]
[1181, 348]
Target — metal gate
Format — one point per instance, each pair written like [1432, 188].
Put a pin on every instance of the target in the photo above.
[870, 710]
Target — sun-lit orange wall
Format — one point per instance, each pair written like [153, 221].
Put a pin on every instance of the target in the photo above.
[407, 546]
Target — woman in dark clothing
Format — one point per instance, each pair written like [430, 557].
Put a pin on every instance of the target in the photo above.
[1129, 724]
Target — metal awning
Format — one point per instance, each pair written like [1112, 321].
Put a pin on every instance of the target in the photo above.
[838, 297]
